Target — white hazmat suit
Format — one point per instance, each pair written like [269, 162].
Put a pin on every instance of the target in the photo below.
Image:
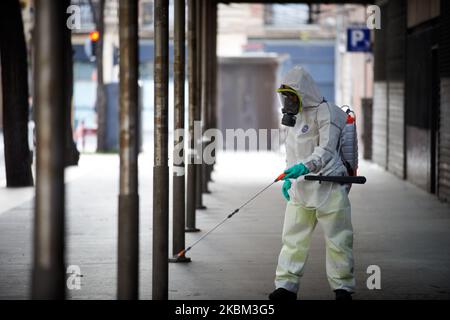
[314, 141]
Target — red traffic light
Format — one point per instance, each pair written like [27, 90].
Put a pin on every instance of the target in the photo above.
[94, 36]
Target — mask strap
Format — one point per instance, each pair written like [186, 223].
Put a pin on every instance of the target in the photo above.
[323, 101]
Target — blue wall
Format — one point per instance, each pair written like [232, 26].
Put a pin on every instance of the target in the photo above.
[315, 56]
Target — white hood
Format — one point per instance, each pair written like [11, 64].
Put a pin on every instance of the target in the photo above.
[300, 80]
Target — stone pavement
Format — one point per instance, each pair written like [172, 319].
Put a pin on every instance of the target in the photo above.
[398, 227]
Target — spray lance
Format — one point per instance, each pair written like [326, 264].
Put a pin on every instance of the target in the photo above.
[320, 178]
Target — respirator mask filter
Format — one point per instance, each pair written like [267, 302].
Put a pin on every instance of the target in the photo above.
[291, 105]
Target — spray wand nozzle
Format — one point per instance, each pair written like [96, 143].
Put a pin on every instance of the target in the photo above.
[183, 252]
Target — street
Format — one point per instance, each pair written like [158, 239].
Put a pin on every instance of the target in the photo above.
[397, 227]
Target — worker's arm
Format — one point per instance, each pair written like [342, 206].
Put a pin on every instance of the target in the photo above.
[330, 124]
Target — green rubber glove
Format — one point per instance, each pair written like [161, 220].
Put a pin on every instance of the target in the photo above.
[286, 186]
[296, 171]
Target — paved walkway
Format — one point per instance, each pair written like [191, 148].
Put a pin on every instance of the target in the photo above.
[403, 230]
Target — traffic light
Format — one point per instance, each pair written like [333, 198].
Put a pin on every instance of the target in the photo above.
[94, 36]
[90, 46]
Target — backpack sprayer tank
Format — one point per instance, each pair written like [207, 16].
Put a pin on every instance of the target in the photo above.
[349, 142]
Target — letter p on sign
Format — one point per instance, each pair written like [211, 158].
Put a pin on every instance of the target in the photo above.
[357, 37]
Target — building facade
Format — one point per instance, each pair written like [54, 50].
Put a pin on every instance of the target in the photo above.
[411, 131]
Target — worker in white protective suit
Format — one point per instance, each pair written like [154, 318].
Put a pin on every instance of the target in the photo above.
[312, 147]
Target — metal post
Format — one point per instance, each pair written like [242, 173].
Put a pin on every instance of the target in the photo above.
[160, 282]
[214, 123]
[179, 192]
[198, 108]
[48, 278]
[207, 110]
[211, 83]
[128, 248]
[193, 94]
[206, 80]
[212, 58]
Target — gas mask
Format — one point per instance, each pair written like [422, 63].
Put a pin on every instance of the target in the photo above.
[291, 104]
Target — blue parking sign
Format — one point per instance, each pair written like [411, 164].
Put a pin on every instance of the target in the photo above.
[358, 40]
